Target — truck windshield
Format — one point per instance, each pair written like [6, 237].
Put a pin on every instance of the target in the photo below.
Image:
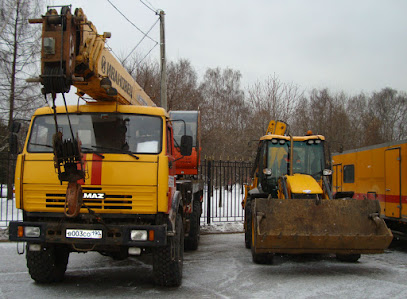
[100, 132]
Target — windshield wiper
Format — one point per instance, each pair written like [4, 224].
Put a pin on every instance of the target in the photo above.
[39, 144]
[120, 151]
[92, 151]
[85, 148]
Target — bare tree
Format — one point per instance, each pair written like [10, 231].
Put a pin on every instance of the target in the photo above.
[223, 113]
[19, 57]
[182, 90]
[324, 113]
[389, 108]
[272, 99]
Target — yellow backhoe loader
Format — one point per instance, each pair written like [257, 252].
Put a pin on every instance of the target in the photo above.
[289, 207]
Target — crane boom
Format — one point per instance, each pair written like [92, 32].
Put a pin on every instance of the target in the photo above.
[73, 53]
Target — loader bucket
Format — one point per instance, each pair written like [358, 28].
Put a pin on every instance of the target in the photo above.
[342, 226]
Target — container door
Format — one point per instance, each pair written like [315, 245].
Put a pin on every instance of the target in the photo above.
[392, 164]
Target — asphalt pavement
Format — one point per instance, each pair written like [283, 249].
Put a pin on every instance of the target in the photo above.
[221, 268]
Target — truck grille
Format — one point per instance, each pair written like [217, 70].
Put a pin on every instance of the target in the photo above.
[109, 202]
[108, 199]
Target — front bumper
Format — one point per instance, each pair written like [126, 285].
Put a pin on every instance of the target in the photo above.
[112, 235]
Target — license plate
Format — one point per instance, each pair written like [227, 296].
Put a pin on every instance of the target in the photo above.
[84, 233]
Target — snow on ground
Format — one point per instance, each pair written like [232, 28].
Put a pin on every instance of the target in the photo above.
[221, 268]
[222, 227]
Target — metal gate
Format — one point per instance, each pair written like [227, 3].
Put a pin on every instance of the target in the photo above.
[8, 211]
[224, 189]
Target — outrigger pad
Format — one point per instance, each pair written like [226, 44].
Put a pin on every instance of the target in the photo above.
[329, 226]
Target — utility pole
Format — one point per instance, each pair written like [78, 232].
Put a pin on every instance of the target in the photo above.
[163, 62]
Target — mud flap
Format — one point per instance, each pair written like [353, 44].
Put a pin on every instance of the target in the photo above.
[342, 226]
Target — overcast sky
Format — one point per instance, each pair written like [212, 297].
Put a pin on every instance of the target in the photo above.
[349, 45]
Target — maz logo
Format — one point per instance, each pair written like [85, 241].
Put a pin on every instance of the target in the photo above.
[94, 195]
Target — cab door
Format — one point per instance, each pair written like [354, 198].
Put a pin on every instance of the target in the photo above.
[392, 165]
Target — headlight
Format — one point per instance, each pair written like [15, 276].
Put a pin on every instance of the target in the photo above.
[138, 235]
[32, 231]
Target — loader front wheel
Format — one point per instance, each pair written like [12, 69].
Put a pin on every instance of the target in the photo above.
[47, 265]
[348, 258]
[248, 226]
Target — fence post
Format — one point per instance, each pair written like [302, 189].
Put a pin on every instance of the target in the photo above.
[208, 205]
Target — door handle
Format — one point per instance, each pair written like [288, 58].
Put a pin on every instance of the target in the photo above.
[388, 189]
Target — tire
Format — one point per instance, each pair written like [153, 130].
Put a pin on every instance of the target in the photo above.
[47, 265]
[258, 258]
[248, 226]
[167, 269]
[348, 258]
[192, 241]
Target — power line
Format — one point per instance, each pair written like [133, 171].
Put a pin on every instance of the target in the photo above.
[147, 54]
[130, 21]
[149, 7]
[131, 52]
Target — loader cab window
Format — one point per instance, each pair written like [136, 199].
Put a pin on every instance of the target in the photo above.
[272, 164]
[101, 132]
[309, 157]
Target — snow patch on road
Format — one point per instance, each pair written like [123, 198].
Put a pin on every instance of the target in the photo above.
[223, 227]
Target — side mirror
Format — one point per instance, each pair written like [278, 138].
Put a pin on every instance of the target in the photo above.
[186, 145]
[327, 172]
[267, 171]
[13, 144]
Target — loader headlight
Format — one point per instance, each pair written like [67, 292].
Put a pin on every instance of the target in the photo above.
[138, 235]
[32, 231]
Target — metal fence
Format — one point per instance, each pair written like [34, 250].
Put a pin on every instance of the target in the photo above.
[8, 211]
[223, 191]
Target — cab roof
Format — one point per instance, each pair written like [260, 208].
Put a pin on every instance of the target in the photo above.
[108, 107]
[295, 138]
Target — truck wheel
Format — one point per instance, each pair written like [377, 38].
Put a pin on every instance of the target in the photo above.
[348, 258]
[259, 258]
[248, 225]
[168, 260]
[47, 265]
[192, 241]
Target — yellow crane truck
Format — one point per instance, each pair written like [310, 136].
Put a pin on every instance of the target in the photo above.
[102, 176]
[376, 172]
[289, 207]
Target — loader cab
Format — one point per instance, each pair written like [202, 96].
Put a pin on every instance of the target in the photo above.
[274, 158]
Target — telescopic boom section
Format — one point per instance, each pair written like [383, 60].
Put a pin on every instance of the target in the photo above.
[73, 53]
